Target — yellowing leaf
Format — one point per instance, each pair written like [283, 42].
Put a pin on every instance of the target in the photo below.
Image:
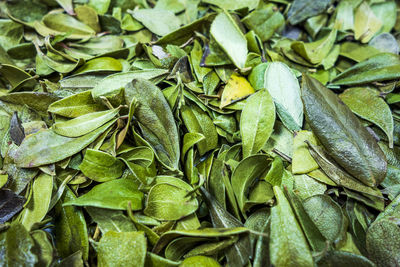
[302, 161]
[237, 88]
[366, 24]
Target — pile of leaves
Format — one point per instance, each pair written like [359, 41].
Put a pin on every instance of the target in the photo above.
[199, 133]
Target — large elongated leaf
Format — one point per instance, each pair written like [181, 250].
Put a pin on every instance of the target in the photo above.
[288, 246]
[342, 134]
[381, 67]
[156, 120]
[284, 88]
[228, 35]
[257, 122]
[47, 147]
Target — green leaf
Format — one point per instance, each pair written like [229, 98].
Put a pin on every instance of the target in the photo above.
[327, 216]
[385, 12]
[111, 195]
[11, 33]
[16, 247]
[75, 105]
[366, 24]
[43, 248]
[111, 220]
[114, 82]
[100, 64]
[256, 122]
[59, 23]
[228, 35]
[122, 249]
[17, 77]
[204, 232]
[199, 261]
[305, 186]
[342, 134]
[244, 176]
[156, 121]
[70, 228]
[264, 22]
[303, 9]
[383, 240]
[316, 240]
[378, 68]
[38, 101]
[89, 16]
[342, 258]
[229, 5]
[165, 23]
[284, 88]
[101, 166]
[38, 205]
[367, 104]
[84, 124]
[337, 174]
[47, 147]
[189, 140]
[239, 253]
[317, 51]
[287, 245]
[357, 52]
[197, 121]
[169, 202]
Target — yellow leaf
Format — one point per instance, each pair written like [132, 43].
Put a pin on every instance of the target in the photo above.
[366, 24]
[237, 88]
